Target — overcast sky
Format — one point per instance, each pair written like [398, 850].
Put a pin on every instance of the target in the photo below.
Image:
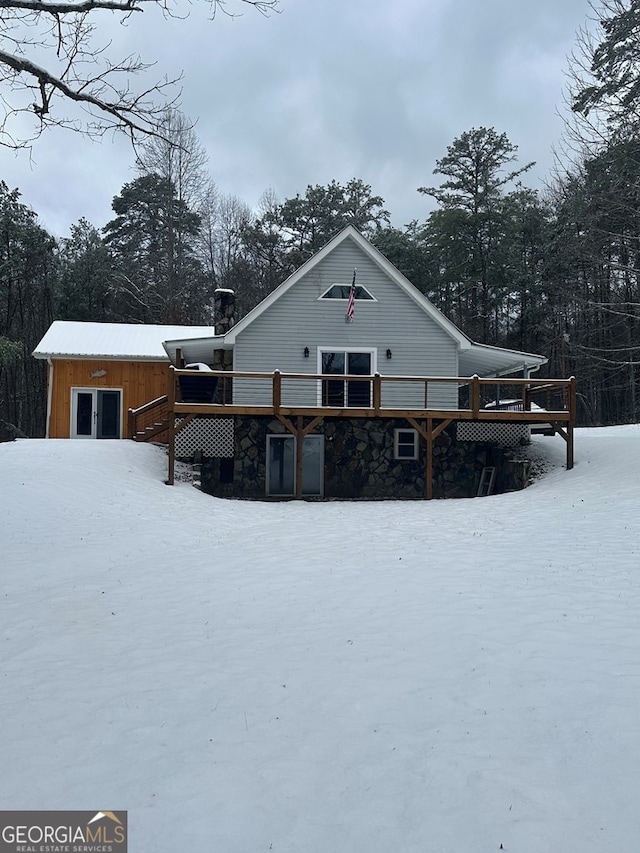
[372, 89]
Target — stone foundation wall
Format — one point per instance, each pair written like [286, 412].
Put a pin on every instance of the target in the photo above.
[359, 463]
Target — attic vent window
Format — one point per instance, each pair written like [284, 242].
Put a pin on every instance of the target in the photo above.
[341, 291]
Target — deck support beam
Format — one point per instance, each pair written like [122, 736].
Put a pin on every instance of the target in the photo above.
[429, 433]
[171, 426]
[567, 434]
[299, 430]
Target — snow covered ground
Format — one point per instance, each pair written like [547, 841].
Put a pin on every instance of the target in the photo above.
[331, 678]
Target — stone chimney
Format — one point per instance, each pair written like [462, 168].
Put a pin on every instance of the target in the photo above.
[224, 308]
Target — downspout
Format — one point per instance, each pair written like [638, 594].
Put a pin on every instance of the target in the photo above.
[49, 394]
[527, 370]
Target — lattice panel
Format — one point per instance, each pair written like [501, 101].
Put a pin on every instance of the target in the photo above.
[213, 436]
[504, 435]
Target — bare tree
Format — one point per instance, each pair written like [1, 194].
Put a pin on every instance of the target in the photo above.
[233, 215]
[208, 242]
[178, 156]
[53, 57]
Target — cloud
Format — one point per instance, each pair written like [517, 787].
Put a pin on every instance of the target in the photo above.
[324, 90]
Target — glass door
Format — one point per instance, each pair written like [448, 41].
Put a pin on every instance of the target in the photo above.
[96, 413]
[342, 393]
[281, 465]
[108, 414]
[359, 393]
[83, 420]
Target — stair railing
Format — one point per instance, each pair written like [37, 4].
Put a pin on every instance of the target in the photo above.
[144, 418]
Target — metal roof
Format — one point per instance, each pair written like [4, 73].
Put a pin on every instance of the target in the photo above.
[131, 341]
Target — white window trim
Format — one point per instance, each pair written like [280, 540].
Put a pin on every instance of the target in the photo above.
[373, 352]
[346, 298]
[73, 409]
[396, 444]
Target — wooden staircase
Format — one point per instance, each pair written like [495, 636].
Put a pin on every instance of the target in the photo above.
[150, 422]
[151, 431]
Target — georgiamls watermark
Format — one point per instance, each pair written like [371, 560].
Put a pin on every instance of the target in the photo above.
[63, 832]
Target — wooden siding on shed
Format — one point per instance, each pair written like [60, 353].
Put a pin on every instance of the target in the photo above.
[276, 339]
[140, 381]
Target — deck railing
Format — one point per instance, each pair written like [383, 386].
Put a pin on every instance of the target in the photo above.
[463, 398]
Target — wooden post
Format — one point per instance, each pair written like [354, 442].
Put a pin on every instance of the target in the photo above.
[475, 395]
[179, 359]
[377, 392]
[569, 445]
[299, 448]
[572, 420]
[428, 467]
[277, 391]
[171, 427]
[573, 397]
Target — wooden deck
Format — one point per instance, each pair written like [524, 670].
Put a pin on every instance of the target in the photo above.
[556, 399]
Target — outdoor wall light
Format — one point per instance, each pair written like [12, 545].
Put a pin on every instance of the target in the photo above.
[306, 352]
[389, 353]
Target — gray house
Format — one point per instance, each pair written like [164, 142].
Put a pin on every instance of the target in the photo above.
[346, 313]
[395, 329]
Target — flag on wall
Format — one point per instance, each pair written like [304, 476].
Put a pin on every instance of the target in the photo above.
[351, 304]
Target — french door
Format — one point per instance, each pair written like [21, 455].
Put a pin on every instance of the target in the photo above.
[96, 413]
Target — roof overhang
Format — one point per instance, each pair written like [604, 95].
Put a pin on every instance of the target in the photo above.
[97, 356]
[195, 349]
[485, 361]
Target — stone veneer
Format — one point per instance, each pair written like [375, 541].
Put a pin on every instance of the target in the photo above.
[360, 464]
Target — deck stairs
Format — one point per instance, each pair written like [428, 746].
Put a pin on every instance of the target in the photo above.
[150, 431]
[149, 421]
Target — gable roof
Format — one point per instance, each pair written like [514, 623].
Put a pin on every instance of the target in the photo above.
[350, 233]
[474, 358]
[124, 341]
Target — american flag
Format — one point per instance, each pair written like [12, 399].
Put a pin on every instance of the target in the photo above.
[351, 304]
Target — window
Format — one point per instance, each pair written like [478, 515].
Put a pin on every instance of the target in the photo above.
[281, 465]
[341, 291]
[341, 393]
[405, 444]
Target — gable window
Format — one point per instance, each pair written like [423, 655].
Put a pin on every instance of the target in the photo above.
[341, 291]
[346, 393]
[405, 444]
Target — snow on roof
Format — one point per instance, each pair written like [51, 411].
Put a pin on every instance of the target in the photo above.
[70, 339]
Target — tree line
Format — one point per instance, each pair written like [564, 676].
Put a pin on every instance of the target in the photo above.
[554, 272]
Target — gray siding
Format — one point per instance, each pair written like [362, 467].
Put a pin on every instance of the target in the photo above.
[298, 319]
